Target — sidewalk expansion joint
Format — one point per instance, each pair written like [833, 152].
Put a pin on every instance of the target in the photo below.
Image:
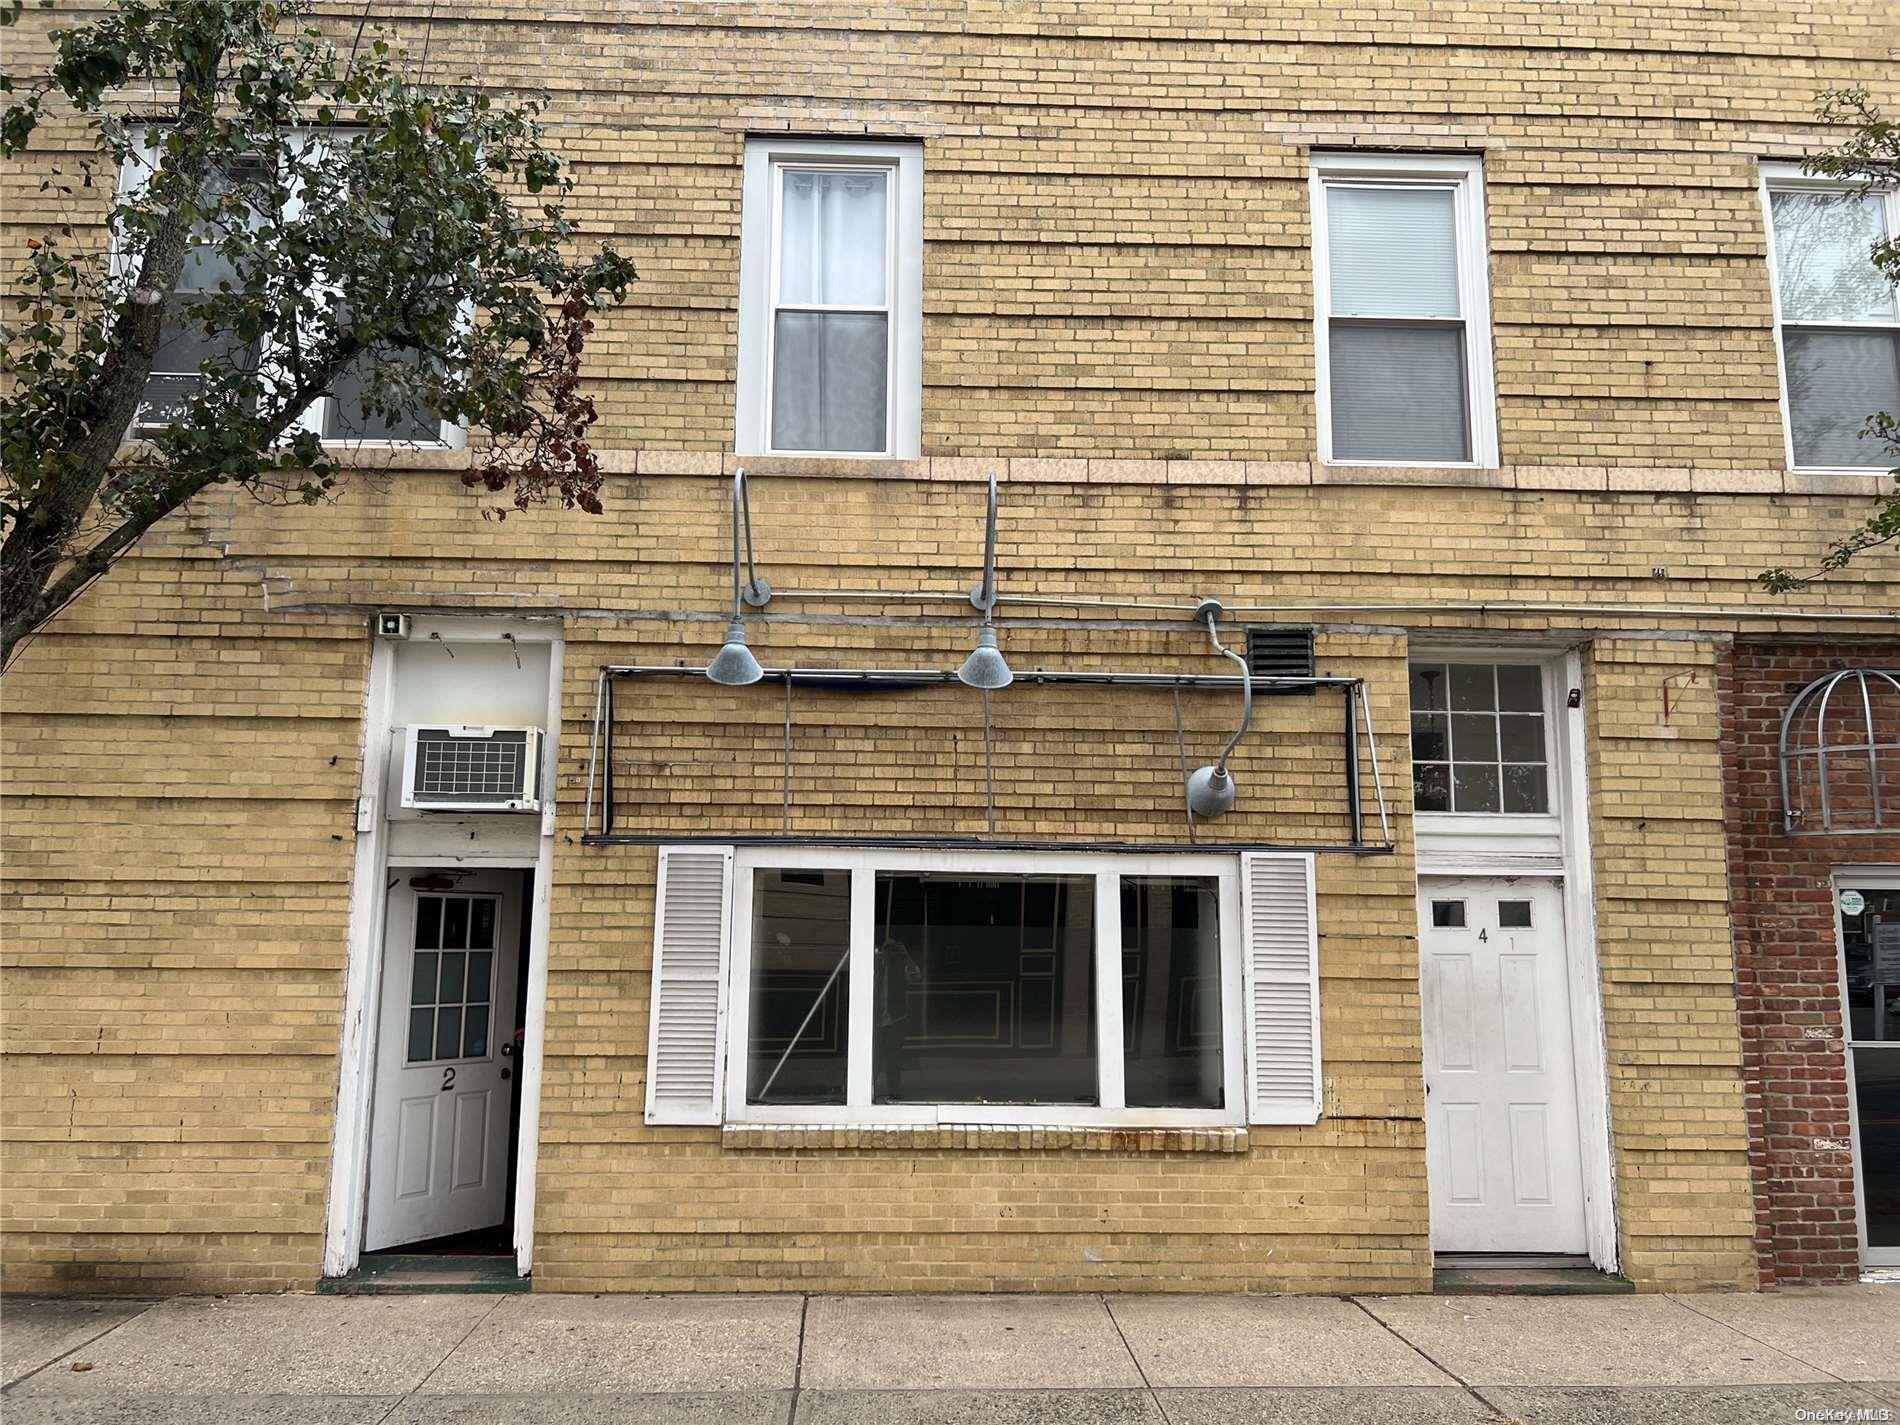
[461, 1341]
[1466, 1386]
[1134, 1360]
[89, 1341]
[798, 1361]
[1765, 1345]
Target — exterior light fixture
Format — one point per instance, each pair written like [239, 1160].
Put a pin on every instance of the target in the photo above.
[985, 667]
[1211, 790]
[734, 666]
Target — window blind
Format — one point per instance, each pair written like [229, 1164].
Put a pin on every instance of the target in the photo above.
[1396, 369]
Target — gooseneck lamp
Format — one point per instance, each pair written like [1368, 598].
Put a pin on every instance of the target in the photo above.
[1210, 790]
[986, 667]
[734, 666]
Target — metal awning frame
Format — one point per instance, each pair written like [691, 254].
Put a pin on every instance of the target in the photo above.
[599, 828]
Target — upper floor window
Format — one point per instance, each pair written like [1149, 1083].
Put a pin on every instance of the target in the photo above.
[185, 348]
[1837, 317]
[1403, 321]
[831, 299]
[1480, 740]
[189, 347]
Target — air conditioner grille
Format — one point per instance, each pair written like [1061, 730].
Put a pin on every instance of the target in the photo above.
[470, 769]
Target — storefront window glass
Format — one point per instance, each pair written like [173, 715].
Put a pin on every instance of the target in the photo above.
[985, 990]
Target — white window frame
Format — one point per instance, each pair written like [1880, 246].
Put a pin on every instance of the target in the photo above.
[767, 159]
[860, 1110]
[134, 175]
[1779, 177]
[1463, 176]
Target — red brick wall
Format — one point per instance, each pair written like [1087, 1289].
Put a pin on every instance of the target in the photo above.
[1787, 970]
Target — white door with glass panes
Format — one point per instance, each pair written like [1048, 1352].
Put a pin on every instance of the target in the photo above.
[445, 1054]
[1501, 1124]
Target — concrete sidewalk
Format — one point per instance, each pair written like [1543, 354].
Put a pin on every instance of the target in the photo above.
[993, 1360]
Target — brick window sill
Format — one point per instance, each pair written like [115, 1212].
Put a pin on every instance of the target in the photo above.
[780, 1138]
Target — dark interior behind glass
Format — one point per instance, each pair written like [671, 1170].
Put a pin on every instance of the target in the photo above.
[800, 994]
[1171, 992]
[985, 989]
[1870, 944]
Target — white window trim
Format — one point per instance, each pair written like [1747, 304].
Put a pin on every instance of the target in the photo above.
[1464, 176]
[1789, 177]
[860, 1111]
[766, 158]
[137, 172]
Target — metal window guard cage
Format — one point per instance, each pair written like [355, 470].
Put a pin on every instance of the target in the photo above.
[1863, 701]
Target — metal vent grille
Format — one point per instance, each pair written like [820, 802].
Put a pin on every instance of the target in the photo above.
[470, 769]
[1280, 653]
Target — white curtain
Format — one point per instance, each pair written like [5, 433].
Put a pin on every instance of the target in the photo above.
[830, 376]
[831, 370]
[832, 238]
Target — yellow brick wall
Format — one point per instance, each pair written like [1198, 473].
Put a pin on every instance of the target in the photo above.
[1667, 969]
[1118, 319]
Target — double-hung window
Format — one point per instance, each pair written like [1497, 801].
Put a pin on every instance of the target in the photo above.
[1403, 316]
[185, 348]
[826, 985]
[831, 296]
[346, 415]
[1837, 317]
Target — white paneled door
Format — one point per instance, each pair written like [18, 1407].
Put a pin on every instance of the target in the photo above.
[445, 1055]
[1500, 1083]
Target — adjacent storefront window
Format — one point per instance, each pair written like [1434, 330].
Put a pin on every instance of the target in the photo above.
[1870, 955]
[1061, 988]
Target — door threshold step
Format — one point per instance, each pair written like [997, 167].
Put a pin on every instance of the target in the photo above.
[1492, 1260]
[1471, 1276]
[388, 1274]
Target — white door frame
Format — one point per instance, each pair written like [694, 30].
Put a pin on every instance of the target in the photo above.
[1845, 878]
[347, 1199]
[1569, 782]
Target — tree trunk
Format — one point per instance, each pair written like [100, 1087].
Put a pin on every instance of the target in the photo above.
[41, 538]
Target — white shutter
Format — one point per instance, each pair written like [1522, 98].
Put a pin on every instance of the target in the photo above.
[1280, 938]
[687, 1013]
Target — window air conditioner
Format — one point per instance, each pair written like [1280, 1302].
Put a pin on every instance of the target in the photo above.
[451, 768]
